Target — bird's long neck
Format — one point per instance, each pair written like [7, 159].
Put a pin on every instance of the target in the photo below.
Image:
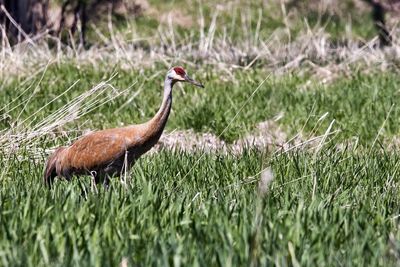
[158, 122]
[144, 136]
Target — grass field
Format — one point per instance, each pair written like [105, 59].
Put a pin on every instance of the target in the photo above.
[327, 195]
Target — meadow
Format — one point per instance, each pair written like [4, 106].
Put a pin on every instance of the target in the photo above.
[323, 192]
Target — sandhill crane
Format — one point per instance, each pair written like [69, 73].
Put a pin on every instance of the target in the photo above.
[109, 152]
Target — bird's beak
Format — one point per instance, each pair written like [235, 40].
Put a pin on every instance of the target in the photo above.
[190, 80]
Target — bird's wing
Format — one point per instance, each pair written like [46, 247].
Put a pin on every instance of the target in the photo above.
[96, 149]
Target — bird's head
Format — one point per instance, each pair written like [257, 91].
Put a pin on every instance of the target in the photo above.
[178, 74]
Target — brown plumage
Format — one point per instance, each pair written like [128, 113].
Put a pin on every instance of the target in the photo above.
[105, 153]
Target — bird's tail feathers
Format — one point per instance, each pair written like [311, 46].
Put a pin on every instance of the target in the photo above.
[50, 171]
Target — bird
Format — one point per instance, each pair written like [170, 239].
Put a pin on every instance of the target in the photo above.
[107, 153]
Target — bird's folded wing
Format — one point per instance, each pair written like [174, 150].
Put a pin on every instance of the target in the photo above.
[96, 149]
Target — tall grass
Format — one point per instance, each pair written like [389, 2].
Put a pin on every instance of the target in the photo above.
[208, 219]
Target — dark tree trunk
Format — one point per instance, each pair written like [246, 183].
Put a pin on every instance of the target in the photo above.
[378, 15]
[21, 18]
[79, 10]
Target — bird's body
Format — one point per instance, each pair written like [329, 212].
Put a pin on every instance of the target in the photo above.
[109, 152]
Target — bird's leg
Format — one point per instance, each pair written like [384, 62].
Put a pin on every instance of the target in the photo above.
[67, 176]
[83, 189]
[106, 181]
[94, 181]
[125, 170]
[103, 176]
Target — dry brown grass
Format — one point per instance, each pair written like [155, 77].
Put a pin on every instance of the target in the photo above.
[267, 135]
[311, 51]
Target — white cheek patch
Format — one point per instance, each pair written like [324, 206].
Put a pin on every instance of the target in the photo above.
[172, 74]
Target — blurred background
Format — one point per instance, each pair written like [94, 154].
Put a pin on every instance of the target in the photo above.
[81, 19]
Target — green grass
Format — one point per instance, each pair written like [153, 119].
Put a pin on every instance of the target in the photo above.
[237, 21]
[333, 208]
[337, 207]
[360, 105]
